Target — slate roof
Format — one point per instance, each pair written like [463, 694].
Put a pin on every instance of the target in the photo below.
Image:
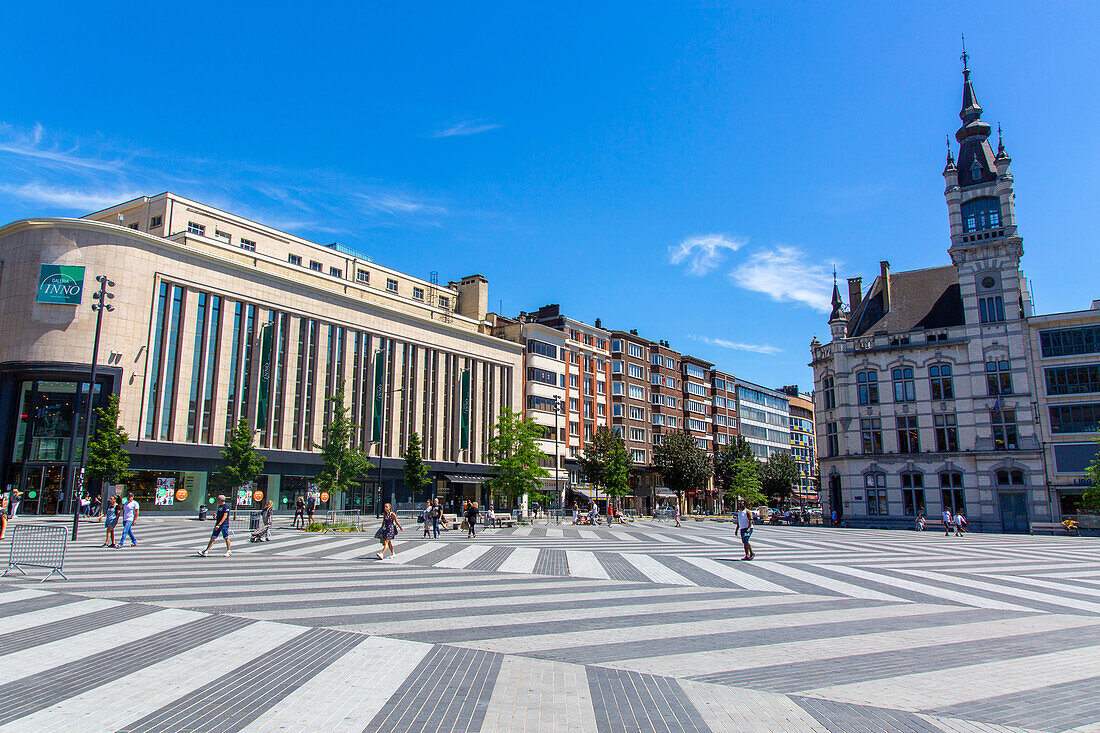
[919, 300]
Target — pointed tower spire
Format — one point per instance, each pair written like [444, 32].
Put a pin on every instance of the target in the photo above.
[1000, 144]
[975, 154]
[838, 305]
[950, 155]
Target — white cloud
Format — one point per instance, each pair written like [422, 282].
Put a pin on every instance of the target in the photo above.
[784, 274]
[391, 203]
[84, 201]
[467, 127]
[726, 344]
[31, 146]
[704, 252]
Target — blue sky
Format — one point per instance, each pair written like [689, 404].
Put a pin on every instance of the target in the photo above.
[692, 170]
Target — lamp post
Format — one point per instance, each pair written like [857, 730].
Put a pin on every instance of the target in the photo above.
[100, 297]
[558, 407]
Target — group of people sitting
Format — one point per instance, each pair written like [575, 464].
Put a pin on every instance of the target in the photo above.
[592, 516]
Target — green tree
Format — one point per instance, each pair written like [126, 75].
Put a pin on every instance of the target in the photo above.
[779, 475]
[108, 459]
[416, 470]
[342, 465]
[1091, 500]
[607, 463]
[682, 464]
[515, 454]
[744, 484]
[727, 459]
[241, 465]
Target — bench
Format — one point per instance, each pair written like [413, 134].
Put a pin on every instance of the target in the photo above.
[1052, 527]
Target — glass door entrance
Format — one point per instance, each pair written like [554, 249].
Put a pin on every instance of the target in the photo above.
[42, 492]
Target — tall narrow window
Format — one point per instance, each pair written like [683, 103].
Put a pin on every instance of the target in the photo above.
[998, 377]
[171, 352]
[299, 382]
[904, 387]
[947, 433]
[196, 371]
[277, 379]
[310, 385]
[213, 332]
[951, 492]
[912, 493]
[943, 388]
[871, 434]
[908, 434]
[991, 309]
[875, 486]
[1005, 435]
[154, 364]
[234, 355]
[832, 440]
[246, 374]
[867, 385]
[828, 391]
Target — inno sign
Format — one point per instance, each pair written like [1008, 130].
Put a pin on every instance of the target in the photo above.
[62, 284]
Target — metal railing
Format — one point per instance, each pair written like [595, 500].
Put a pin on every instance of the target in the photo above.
[38, 546]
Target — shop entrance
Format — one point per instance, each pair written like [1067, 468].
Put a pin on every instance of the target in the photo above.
[42, 491]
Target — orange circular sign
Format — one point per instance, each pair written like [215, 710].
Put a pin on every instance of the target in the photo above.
[257, 496]
[324, 496]
[181, 494]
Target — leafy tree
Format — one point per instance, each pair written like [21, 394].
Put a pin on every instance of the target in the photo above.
[416, 470]
[682, 464]
[108, 459]
[342, 465]
[241, 465]
[514, 452]
[607, 463]
[744, 484]
[779, 475]
[1091, 500]
[726, 460]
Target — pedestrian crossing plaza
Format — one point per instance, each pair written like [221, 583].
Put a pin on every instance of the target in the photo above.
[637, 627]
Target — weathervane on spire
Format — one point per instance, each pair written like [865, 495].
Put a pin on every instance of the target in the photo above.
[965, 56]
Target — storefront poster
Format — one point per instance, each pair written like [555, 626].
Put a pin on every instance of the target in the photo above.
[166, 490]
[244, 496]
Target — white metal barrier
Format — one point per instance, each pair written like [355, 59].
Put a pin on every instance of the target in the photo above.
[38, 546]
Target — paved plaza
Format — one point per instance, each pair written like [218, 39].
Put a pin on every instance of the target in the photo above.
[644, 627]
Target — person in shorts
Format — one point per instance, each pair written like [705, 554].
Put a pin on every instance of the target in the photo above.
[744, 528]
[221, 527]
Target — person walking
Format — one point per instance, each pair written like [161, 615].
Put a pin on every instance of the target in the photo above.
[13, 502]
[130, 512]
[960, 523]
[676, 513]
[744, 528]
[299, 513]
[948, 523]
[265, 519]
[110, 519]
[471, 520]
[576, 513]
[311, 504]
[221, 527]
[389, 529]
[4, 499]
[437, 518]
[426, 519]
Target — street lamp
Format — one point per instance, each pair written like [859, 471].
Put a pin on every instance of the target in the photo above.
[100, 297]
[559, 405]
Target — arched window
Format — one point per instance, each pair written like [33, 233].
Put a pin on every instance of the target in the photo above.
[868, 387]
[904, 388]
[975, 170]
[981, 213]
[875, 485]
[943, 388]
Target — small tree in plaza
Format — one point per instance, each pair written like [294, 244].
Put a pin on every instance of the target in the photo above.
[682, 464]
[779, 475]
[744, 484]
[514, 452]
[342, 465]
[726, 460]
[108, 459]
[416, 470]
[240, 463]
[607, 463]
[1091, 500]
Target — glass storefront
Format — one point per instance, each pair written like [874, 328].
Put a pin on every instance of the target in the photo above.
[165, 491]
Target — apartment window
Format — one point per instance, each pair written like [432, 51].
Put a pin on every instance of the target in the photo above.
[655, 379]
[947, 432]
[542, 348]
[720, 384]
[871, 433]
[617, 410]
[637, 413]
[636, 371]
[912, 494]
[719, 419]
[541, 375]
[618, 388]
[418, 293]
[943, 388]
[1083, 379]
[875, 484]
[391, 285]
[658, 419]
[574, 429]
[335, 272]
[616, 367]
[588, 409]
[535, 402]
[248, 244]
[670, 363]
[601, 387]
[991, 309]
[223, 236]
[694, 371]
[904, 388]
[600, 412]
[573, 380]
[636, 351]
[998, 378]
[573, 404]
[588, 385]
[1005, 477]
[867, 384]
[638, 456]
[616, 345]
[655, 359]
[194, 228]
[832, 440]
[316, 266]
[695, 406]
[1080, 418]
[1005, 435]
[1070, 341]
[670, 382]
[908, 434]
[671, 401]
[699, 426]
[294, 259]
[636, 392]
[637, 435]
[722, 439]
[444, 302]
[587, 433]
[951, 493]
[155, 222]
[696, 389]
[719, 401]
[672, 421]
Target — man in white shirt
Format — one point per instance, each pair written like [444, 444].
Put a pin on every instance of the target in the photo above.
[947, 523]
[744, 528]
[130, 513]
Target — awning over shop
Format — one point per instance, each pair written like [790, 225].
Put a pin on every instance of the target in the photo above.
[579, 492]
[665, 493]
[465, 478]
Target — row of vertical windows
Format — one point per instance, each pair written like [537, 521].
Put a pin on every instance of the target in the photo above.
[1083, 418]
[1070, 341]
[1084, 379]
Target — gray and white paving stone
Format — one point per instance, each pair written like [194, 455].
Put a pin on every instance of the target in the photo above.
[640, 627]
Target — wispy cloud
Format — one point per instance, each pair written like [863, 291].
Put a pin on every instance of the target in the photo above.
[767, 349]
[68, 198]
[785, 274]
[34, 145]
[467, 127]
[703, 252]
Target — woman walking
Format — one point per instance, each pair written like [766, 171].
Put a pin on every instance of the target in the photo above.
[299, 512]
[389, 529]
[426, 519]
[471, 520]
[110, 519]
[265, 519]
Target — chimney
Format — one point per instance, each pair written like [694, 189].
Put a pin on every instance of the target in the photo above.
[885, 275]
[855, 292]
[599, 323]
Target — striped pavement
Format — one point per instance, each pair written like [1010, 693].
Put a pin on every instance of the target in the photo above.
[643, 628]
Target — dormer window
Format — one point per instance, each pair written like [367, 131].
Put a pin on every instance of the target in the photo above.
[975, 170]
